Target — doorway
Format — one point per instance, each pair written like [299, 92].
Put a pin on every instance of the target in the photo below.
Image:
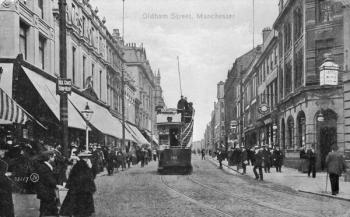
[327, 136]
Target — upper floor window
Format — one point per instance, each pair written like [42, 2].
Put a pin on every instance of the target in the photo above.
[23, 31]
[42, 42]
[325, 11]
[84, 71]
[298, 22]
[74, 51]
[299, 68]
[41, 7]
[287, 36]
[100, 84]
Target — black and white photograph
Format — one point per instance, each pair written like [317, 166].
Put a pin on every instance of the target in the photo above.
[174, 108]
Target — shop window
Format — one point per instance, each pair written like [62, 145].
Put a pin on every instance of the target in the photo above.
[23, 34]
[42, 42]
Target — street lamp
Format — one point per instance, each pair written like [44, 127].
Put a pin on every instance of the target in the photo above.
[87, 113]
[320, 117]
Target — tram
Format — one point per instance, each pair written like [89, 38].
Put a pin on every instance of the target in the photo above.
[175, 128]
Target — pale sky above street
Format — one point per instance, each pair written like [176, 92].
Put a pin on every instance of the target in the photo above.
[207, 47]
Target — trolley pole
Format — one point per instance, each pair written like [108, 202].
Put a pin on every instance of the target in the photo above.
[63, 74]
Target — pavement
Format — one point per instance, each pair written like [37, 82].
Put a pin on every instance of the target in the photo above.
[320, 185]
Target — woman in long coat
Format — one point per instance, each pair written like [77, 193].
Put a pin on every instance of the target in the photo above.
[79, 201]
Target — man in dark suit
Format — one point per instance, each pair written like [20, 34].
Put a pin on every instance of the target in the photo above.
[311, 156]
[267, 158]
[46, 185]
[244, 158]
[258, 162]
[335, 167]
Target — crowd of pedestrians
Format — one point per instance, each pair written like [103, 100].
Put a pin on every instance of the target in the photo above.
[43, 170]
[262, 158]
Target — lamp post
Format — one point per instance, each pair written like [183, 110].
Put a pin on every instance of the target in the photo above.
[87, 113]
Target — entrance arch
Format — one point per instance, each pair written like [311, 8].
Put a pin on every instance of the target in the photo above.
[326, 134]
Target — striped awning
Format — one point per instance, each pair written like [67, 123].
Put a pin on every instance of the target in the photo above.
[11, 112]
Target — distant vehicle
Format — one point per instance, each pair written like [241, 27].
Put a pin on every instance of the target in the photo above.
[175, 128]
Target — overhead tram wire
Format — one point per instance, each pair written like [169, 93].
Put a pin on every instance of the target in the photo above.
[178, 69]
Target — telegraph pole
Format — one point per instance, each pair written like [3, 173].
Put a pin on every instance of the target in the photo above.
[123, 104]
[63, 74]
[123, 88]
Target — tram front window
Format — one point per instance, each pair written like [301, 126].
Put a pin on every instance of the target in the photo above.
[174, 137]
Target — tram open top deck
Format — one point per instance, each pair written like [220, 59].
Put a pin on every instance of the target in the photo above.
[175, 130]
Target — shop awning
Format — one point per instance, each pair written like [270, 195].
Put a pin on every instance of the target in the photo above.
[137, 134]
[47, 90]
[152, 138]
[11, 112]
[101, 119]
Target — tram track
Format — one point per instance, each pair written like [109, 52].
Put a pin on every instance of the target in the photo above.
[193, 200]
[250, 201]
[231, 195]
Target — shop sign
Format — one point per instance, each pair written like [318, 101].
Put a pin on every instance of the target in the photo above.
[64, 86]
[329, 73]
[263, 109]
[233, 124]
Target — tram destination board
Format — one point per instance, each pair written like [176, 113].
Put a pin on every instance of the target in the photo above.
[64, 86]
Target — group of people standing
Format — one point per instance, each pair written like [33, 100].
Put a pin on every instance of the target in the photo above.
[48, 170]
[261, 157]
[334, 162]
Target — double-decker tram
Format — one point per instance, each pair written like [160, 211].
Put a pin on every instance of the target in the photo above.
[175, 128]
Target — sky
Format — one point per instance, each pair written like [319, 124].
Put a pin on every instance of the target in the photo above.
[207, 47]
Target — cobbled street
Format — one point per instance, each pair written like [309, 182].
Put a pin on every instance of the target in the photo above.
[208, 191]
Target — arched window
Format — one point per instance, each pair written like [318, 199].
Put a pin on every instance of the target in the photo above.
[290, 133]
[283, 135]
[301, 129]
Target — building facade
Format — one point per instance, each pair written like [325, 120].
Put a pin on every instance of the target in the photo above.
[143, 78]
[30, 57]
[308, 30]
[283, 99]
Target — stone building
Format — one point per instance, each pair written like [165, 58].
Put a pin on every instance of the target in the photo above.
[233, 97]
[309, 114]
[142, 75]
[29, 56]
[267, 104]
